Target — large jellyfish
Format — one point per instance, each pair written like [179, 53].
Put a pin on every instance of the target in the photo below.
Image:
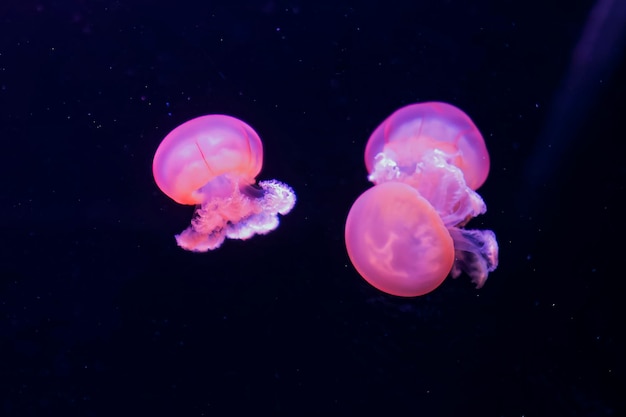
[406, 234]
[212, 162]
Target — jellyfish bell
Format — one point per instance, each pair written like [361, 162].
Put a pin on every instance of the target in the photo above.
[212, 162]
[411, 133]
[397, 241]
[203, 149]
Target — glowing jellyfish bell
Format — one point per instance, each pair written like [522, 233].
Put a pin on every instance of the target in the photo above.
[397, 242]
[406, 234]
[212, 161]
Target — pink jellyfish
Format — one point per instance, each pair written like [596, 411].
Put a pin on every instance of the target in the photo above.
[212, 161]
[406, 234]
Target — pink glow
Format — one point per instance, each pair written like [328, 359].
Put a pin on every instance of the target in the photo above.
[397, 242]
[416, 128]
[405, 239]
[212, 161]
[201, 149]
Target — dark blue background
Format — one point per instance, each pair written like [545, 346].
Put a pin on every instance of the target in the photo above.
[102, 314]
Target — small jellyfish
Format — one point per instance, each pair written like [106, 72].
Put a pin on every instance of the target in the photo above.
[406, 238]
[212, 162]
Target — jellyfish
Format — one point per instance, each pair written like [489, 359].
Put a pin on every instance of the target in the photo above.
[407, 233]
[212, 162]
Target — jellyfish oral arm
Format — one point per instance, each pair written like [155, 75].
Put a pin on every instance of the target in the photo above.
[237, 216]
[437, 180]
[476, 253]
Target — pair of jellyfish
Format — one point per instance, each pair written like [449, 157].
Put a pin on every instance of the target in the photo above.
[406, 233]
[403, 236]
